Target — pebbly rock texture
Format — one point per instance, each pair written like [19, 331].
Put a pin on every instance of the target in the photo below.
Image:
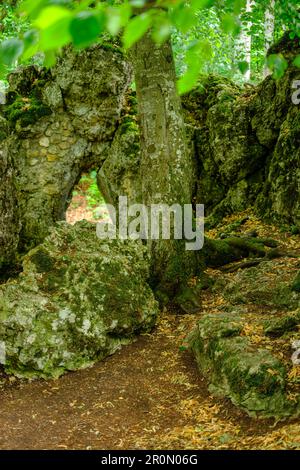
[276, 327]
[119, 174]
[60, 123]
[78, 300]
[269, 285]
[252, 378]
[247, 143]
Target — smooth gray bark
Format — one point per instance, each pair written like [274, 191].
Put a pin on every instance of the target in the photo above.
[166, 167]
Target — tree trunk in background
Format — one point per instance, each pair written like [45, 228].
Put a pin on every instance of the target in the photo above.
[269, 30]
[166, 166]
[246, 42]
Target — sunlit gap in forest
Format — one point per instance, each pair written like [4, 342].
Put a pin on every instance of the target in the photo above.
[87, 202]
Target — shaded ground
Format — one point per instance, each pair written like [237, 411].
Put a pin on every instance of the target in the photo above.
[87, 202]
[149, 395]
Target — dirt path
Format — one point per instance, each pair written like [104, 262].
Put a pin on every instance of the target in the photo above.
[148, 395]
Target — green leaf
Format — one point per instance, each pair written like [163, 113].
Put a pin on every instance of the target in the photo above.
[230, 24]
[51, 15]
[137, 3]
[238, 5]
[189, 80]
[161, 28]
[50, 58]
[297, 61]
[243, 67]
[200, 4]
[117, 18]
[136, 28]
[277, 64]
[184, 18]
[56, 36]
[32, 7]
[30, 39]
[86, 27]
[114, 23]
[10, 51]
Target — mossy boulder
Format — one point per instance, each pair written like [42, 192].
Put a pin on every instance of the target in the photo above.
[296, 283]
[78, 300]
[268, 284]
[252, 378]
[280, 326]
[56, 125]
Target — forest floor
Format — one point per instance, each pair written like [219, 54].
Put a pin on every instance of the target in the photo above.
[149, 395]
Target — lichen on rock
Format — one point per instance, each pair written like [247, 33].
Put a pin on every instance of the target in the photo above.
[267, 285]
[78, 300]
[251, 377]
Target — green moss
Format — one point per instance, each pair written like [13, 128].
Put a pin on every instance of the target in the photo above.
[110, 46]
[42, 261]
[296, 283]
[26, 111]
[252, 378]
[128, 125]
[280, 326]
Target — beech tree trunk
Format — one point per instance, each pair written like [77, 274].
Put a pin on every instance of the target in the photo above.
[166, 166]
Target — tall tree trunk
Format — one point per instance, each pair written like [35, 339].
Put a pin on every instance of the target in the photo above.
[269, 30]
[166, 166]
[246, 42]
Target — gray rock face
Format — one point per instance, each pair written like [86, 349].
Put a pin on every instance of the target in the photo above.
[119, 174]
[61, 123]
[79, 299]
[9, 215]
[252, 378]
[253, 285]
[248, 147]
[244, 144]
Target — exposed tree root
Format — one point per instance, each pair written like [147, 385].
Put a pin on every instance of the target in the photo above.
[242, 265]
[219, 253]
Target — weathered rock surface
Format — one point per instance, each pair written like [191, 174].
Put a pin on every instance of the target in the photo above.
[268, 285]
[244, 142]
[247, 145]
[9, 214]
[79, 299]
[61, 123]
[280, 326]
[251, 377]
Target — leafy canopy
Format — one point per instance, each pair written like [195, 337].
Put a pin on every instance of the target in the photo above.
[52, 24]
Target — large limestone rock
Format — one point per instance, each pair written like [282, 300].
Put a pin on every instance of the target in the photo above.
[60, 123]
[270, 284]
[79, 299]
[120, 173]
[247, 143]
[253, 378]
